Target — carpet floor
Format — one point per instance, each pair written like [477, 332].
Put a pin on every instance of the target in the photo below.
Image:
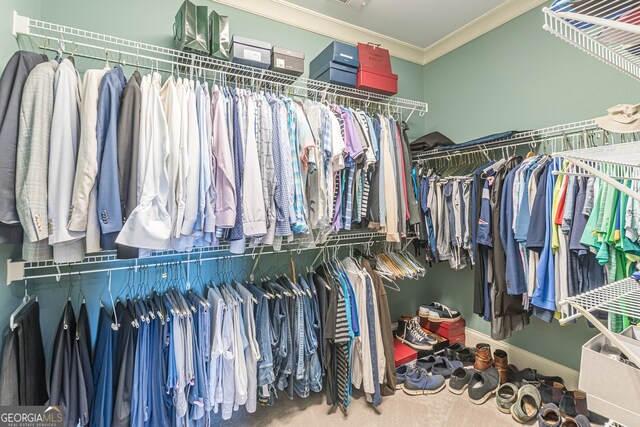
[439, 410]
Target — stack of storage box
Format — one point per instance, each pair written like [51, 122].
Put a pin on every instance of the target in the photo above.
[374, 71]
[337, 64]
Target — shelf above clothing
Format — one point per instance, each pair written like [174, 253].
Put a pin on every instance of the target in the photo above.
[606, 30]
[531, 137]
[41, 35]
[104, 261]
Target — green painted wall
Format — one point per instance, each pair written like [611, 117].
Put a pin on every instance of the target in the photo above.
[517, 77]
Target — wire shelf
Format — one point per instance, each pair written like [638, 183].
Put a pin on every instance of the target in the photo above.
[607, 30]
[610, 164]
[520, 138]
[621, 298]
[92, 263]
[100, 47]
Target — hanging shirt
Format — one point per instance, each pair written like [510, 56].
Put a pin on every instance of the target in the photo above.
[149, 225]
[68, 246]
[222, 163]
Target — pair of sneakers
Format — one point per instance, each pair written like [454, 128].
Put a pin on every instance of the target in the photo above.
[417, 381]
[410, 333]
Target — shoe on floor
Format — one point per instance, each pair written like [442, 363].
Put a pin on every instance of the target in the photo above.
[445, 367]
[425, 383]
[518, 377]
[551, 391]
[450, 352]
[506, 396]
[426, 363]
[501, 362]
[578, 421]
[409, 333]
[466, 356]
[483, 357]
[527, 404]
[573, 403]
[402, 372]
[459, 380]
[483, 385]
[437, 312]
[549, 416]
[460, 352]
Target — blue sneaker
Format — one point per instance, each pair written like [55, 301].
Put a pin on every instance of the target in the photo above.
[424, 384]
[403, 372]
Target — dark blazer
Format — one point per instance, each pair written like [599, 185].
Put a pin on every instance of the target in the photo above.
[63, 392]
[128, 143]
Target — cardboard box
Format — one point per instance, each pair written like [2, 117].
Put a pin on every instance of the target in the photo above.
[403, 353]
[254, 53]
[445, 329]
[287, 61]
[336, 73]
[438, 347]
[376, 81]
[613, 387]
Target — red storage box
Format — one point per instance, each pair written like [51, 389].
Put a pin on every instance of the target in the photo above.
[376, 81]
[457, 339]
[374, 57]
[445, 329]
[403, 353]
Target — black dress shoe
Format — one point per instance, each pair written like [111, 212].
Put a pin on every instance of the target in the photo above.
[466, 356]
[450, 352]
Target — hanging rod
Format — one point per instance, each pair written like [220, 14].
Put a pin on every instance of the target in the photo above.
[98, 46]
[19, 270]
[518, 139]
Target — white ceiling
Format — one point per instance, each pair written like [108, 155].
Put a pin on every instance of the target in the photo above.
[417, 22]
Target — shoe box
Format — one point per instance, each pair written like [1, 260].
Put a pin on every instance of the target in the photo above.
[452, 331]
[438, 347]
[403, 353]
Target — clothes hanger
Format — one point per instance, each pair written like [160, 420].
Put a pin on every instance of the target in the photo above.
[27, 301]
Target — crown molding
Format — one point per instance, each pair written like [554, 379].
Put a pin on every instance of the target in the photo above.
[297, 16]
[306, 19]
[478, 27]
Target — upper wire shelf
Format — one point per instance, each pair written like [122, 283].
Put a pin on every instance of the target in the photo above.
[96, 46]
[607, 30]
[530, 137]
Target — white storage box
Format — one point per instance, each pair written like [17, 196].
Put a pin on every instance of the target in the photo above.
[613, 387]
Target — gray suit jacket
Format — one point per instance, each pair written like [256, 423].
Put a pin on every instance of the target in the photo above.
[32, 163]
[11, 85]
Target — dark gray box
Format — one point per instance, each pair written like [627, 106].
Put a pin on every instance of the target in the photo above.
[287, 61]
